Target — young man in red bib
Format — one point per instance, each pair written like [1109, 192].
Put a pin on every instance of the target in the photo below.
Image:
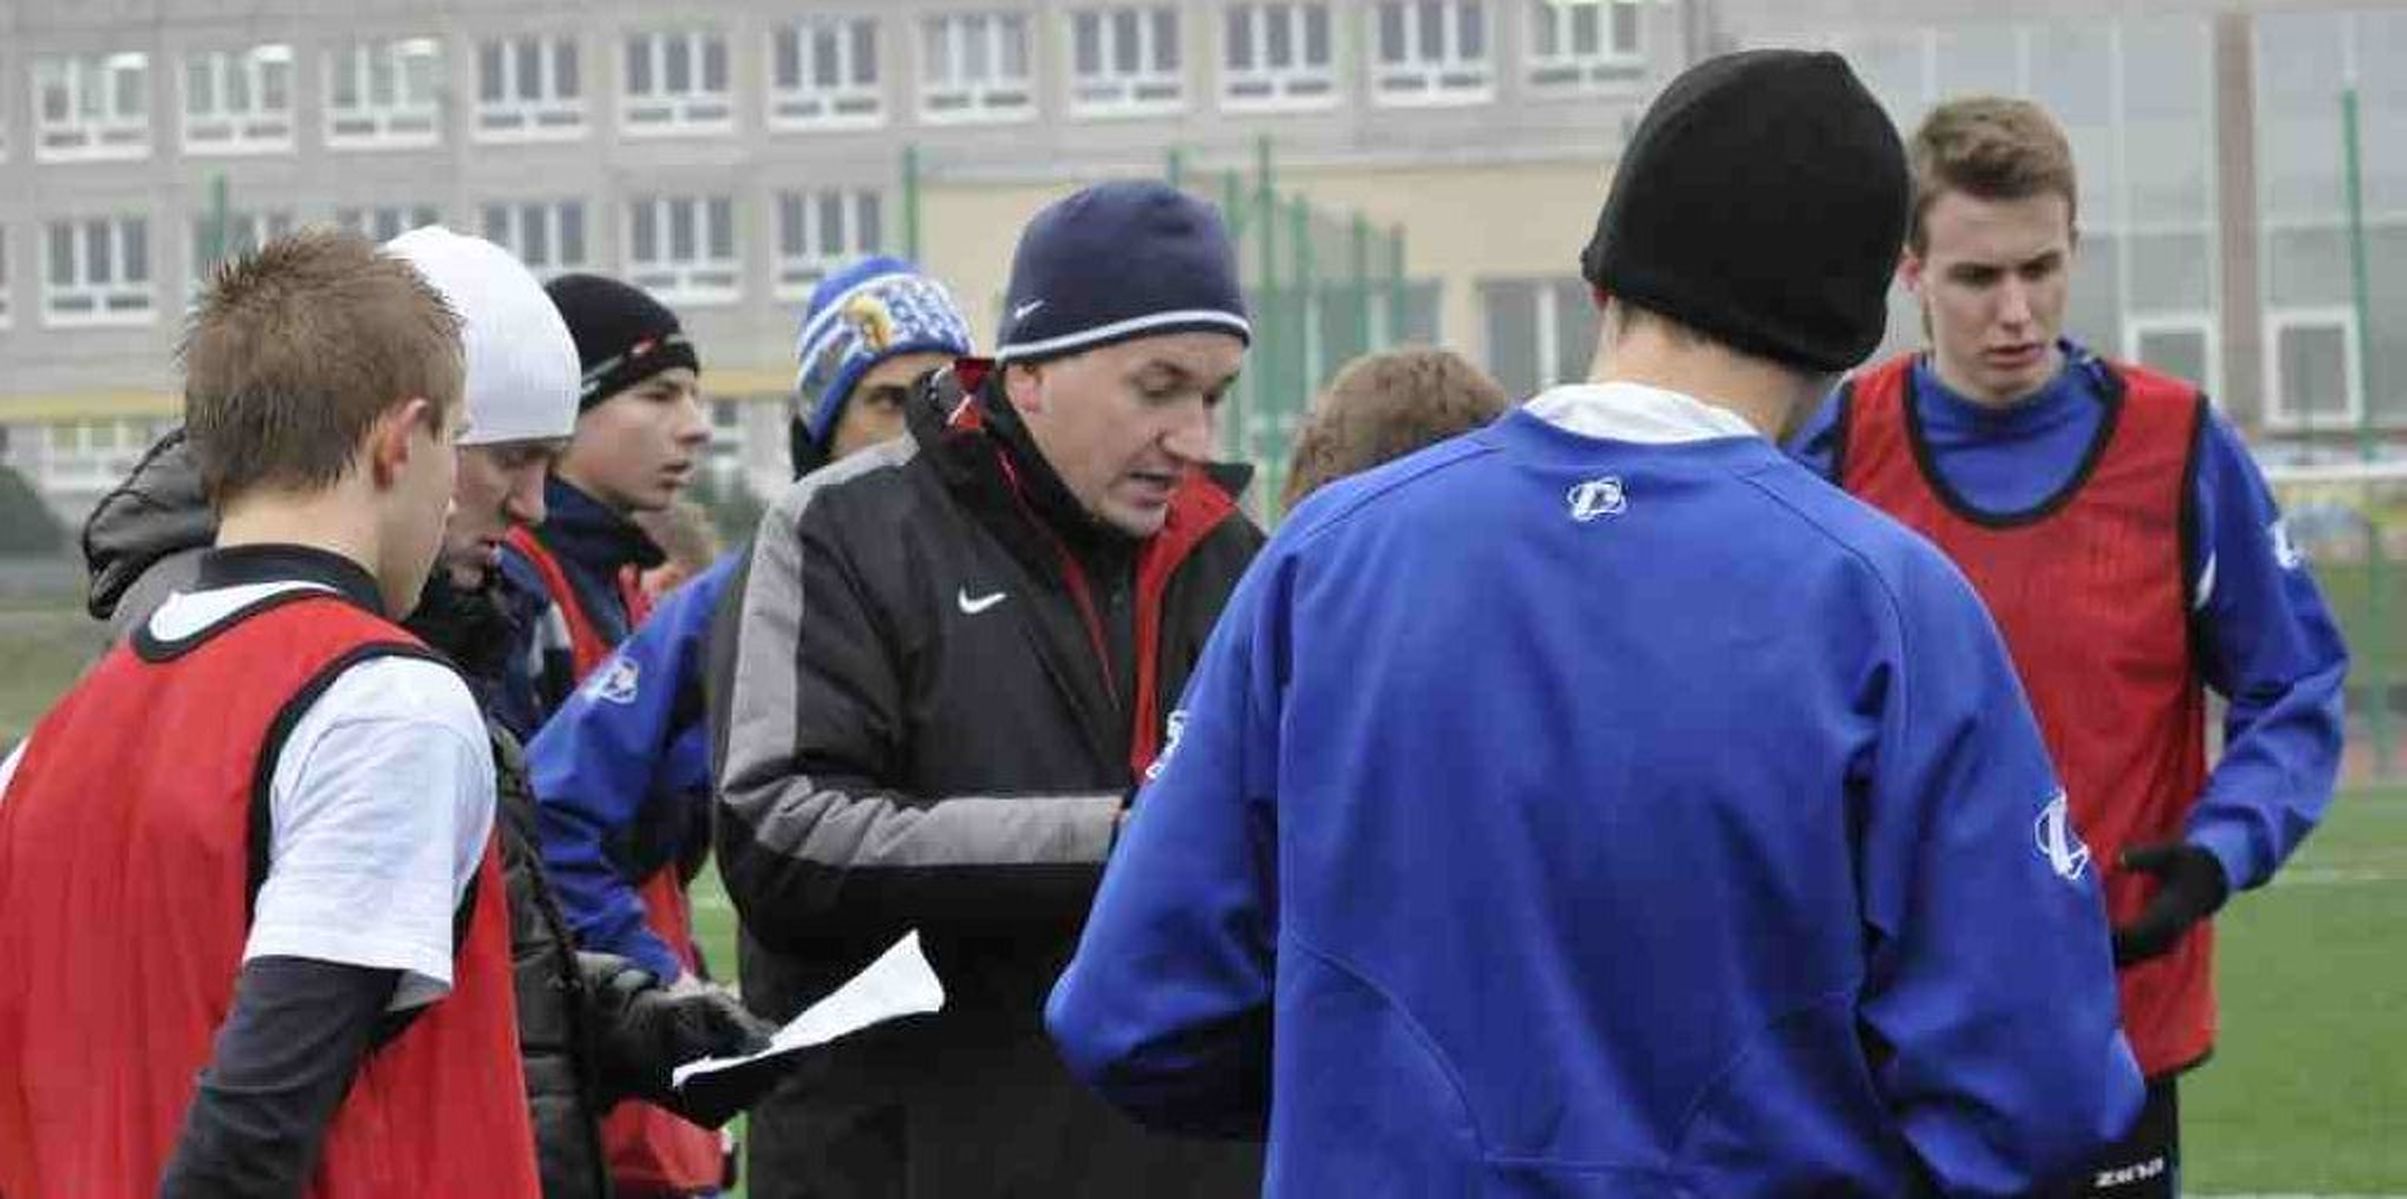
[249, 858]
[2131, 553]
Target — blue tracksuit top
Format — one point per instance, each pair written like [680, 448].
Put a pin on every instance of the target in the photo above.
[622, 773]
[1601, 804]
[2267, 643]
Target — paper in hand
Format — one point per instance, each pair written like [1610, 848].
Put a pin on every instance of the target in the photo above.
[900, 983]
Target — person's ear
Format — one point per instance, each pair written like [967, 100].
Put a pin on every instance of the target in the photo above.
[393, 438]
[1025, 387]
[1909, 271]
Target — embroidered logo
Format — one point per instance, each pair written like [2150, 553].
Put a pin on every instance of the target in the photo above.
[972, 607]
[618, 682]
[1598, 497]
[2053, 836]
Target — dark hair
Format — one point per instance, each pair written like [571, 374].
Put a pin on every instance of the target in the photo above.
[294, 352]
[1384, 406]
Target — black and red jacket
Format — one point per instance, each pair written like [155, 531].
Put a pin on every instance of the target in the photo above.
[947, 678]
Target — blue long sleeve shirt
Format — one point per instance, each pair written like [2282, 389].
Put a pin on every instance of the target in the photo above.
[1601, 804]
[2268, 644]
[622, 773]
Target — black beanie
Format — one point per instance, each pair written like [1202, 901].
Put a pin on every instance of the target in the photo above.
[623, 336]
[1762, 201]
[1118, 261]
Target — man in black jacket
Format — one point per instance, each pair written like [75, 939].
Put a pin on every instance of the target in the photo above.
[955, 657]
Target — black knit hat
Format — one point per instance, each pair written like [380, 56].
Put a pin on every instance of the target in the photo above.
[1118, 261]
[1762, 201]
[623, 336]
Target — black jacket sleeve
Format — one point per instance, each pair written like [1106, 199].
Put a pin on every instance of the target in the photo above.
[282, 1062]
[814, 834]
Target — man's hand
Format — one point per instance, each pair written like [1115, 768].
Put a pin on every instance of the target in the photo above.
[643, 1030]
[2190, 888]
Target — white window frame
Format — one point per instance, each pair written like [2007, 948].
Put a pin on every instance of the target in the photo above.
[6, 319]
[2203, 323]
[1263, 87]
[255, 228]
[799, 273]
[2277, 415]
[410, 121]
[258, 127]
[1152, 89]
[551, 213]
[105, 133]
[661, 112]
[384, 222]
[1566, 70]
[1443, 80]
[953, 97]
[814, 103]
[706, 279]
[116, 301]
[551, 116]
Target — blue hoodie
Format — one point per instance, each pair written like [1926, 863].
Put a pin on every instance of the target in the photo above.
[1600, 804]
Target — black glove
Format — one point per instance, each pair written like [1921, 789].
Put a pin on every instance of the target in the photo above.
[2190, 888]
[641, 1031]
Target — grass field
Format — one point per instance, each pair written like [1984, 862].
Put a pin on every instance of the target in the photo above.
[2307, 1092]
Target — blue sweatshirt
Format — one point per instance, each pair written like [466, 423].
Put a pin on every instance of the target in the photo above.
[592, 543]
[1600, 804]
[622, 774]
[2267, 643]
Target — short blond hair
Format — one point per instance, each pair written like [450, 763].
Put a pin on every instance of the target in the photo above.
[298, 348]
[1384, 406]
[1989, 148]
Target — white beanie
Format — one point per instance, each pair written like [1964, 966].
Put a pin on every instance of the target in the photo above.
[522, 364]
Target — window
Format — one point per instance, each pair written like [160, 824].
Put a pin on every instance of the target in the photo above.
[2312, 372]
[823, 73]
[1432, 52]
[238, 101]
[1124, 61]
[1277, 56]
[1540, 332]
[2182, 345]
[682, 249]
[384, 222]
[548, 236]
[99, 272]
[89, 108]
[382, 94]
[94, 455]
[1578, 44]
[974, 67]
[242, 233]
[677, 83]
[4, 317]
[529, 89]
[817, 232]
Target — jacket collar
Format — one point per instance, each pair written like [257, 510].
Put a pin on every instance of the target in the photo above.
[581, 529]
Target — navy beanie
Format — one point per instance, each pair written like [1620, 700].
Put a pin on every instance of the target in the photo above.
[1118, 261]
[623, 336]
[1762, 201]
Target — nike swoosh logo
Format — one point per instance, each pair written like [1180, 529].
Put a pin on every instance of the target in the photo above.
[1022, 312]
[972, 607]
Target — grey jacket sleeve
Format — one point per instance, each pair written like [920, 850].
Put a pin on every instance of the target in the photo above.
[814, 836]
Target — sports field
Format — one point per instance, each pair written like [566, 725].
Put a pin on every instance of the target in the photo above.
[2307, 1094]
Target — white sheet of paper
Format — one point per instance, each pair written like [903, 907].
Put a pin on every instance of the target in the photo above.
[900, 983]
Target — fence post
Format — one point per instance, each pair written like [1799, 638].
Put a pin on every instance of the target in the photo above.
[2376, 618]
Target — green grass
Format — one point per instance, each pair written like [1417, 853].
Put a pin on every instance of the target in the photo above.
[2308, 1088]
[42, 649]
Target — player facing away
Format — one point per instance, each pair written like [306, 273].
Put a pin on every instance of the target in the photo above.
[1601, 804]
